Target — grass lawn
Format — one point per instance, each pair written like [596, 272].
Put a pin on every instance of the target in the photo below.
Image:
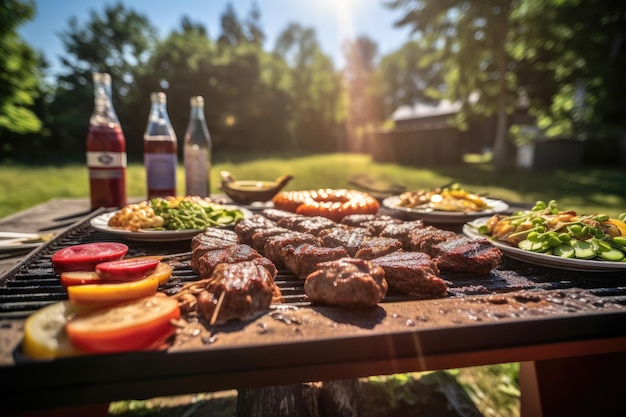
[586, 190]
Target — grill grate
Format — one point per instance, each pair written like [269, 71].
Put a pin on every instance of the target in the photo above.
[518, 305]
[33, 284]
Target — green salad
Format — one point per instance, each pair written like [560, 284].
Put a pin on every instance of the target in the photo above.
[180, 213]
[549, 230]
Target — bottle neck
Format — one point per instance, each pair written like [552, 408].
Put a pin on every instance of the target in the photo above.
[197, 112]
[158, 122]
[104, 113]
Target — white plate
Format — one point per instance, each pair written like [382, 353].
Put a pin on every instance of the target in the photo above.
[101, 223]
[11, 242]
[542, 259]
[438, 216]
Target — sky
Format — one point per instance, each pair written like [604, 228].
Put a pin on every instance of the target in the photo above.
[333, 21]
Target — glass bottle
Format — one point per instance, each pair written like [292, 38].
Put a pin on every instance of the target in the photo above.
[106, 149]
[160, 150]
[197, 151]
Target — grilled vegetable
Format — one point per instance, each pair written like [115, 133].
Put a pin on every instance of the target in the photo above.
[126, 269]
[133, 325]
[44, 331]
[85, 257]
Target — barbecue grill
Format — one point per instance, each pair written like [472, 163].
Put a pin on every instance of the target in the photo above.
[484, 320]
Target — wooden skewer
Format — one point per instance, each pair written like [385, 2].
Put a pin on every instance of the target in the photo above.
[217, 308]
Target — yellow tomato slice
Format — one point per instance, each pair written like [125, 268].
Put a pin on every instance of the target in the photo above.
[133, 325]
[113, 293]
[163, 272]
[44, 331]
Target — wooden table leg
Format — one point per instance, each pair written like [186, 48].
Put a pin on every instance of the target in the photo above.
[341, 398]
[580, 386]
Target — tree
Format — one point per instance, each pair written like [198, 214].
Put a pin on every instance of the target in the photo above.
[407, 76]
[584, 50]
[363, 91]
[564, 57]
[472, 39]
[314, 88]
[19, 75]
[118, 41]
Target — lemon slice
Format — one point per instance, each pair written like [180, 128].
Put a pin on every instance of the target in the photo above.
[44, 331]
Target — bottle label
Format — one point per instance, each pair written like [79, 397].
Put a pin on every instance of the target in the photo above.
[197, 171]
[106, 159]
[160, 170]
[106, 174]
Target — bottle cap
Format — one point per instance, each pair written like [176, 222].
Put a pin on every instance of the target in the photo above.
[158, 97]
[101, 78]
[197, 101]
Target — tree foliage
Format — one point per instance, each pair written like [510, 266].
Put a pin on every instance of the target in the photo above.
[363, 92]
[562, 57]
[118, 41]
[19, 75]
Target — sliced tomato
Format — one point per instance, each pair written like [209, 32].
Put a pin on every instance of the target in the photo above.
[44, 331]
[127, 269]
[133, 325]
[114, 292]
[163, 272]
[85, 257]
[70, 278]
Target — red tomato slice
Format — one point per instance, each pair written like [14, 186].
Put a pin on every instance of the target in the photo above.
[70, 278]
[85, 257]
[162, 272]
[134, 325]
[114, 292]
[127, 269]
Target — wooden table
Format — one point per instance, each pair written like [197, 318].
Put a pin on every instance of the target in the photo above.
[572, 362]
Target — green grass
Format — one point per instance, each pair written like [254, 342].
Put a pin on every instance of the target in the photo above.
[586, 191]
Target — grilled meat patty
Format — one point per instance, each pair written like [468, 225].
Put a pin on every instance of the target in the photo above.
[245, 228]
[303, 259]
[347, 236]
[347, 282]
[423, 240]
[413, 273]
[375, 223]
[214, 237]
[274, 244]
[401, 231]
[244, 288]
[376, 247]
[467, 255]
[313, 225]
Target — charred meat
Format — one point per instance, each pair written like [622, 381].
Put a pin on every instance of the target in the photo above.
[204, 265]
[274, 244]
[214, 238]
[347, 236]
[303, 259]
[402, 231]
[466, 255]
[423, 240]
[313, 225]
[347, 282]
[375, 223]
[236, 291]
[378, 246]
[245, 228]
[413, 273]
